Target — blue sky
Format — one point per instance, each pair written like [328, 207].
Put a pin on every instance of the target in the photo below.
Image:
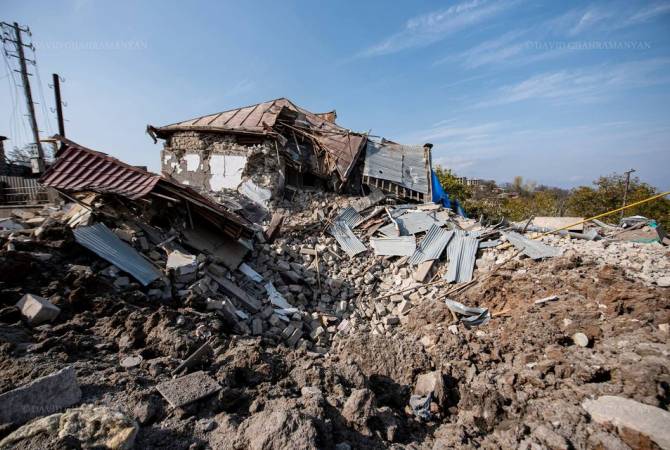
[557, 92]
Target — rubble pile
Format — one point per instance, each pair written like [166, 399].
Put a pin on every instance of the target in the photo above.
[161, 319]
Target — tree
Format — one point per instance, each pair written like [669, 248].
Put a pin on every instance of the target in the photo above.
[452, 185]
[24, 154]
[608, 195]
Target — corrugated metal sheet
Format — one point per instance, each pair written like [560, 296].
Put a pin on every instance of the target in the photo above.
[81, 169]
[432, 245]
[411, 222]
[394, 246]
[349, 216]
[532, 249]
[347, 239]
[474, 315]
[343, 146]
[404, 165]
[490, 244]
[101, 241]
[461, 253]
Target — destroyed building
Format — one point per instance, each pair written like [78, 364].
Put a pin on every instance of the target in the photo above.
[260, 150]
[138, 311]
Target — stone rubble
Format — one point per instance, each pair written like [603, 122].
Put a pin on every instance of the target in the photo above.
[302, 346]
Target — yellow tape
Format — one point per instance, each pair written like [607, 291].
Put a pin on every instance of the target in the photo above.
[606, 214]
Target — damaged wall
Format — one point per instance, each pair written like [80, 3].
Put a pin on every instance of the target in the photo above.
[215, 162]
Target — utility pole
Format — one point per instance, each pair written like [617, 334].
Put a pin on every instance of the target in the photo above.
[625, 191]
[59, 105]
[29, 95]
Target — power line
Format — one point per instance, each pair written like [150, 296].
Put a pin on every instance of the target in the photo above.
[20, 55]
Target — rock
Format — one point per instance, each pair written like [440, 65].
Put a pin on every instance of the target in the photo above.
[580, 339]
[277, 428]
[431, 383]
[40, 397]
[358, 408]
[122, 282]
[550, 438]
[663, 282]
[626, 414]
[147, 410]
[664, 327]
[130, 362]
[90, 426]
[37, 310]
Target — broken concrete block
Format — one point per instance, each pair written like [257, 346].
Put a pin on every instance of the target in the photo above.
[627, 414]
[187, 389]
[295, 337]
[391, 321]
[41, 397]
[256, 327]
[37, 309]
[404, 307]
[288, 331]
[181, 263]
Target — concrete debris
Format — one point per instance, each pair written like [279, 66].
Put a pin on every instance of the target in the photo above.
[183, 265]
[188, 389]
[37, 310]
[40, 397]
[628, 415]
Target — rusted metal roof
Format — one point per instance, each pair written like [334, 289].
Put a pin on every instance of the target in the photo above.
[81, 169]
[342, 146]
[78, 168]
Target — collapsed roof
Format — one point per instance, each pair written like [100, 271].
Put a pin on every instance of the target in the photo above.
[341, 147]
[78, 168]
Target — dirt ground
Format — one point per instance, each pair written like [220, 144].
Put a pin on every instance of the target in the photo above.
[515, 382]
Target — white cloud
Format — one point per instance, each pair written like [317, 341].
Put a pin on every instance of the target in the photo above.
[649, 13]
[583, 85]
[607, 17]
[435, 26]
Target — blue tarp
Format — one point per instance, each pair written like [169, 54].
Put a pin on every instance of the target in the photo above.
[441, 196]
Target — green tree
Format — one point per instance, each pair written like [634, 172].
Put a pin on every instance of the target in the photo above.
[607, 194]
[452, 185]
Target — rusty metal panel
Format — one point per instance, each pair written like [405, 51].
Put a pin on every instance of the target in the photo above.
[78, 168]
